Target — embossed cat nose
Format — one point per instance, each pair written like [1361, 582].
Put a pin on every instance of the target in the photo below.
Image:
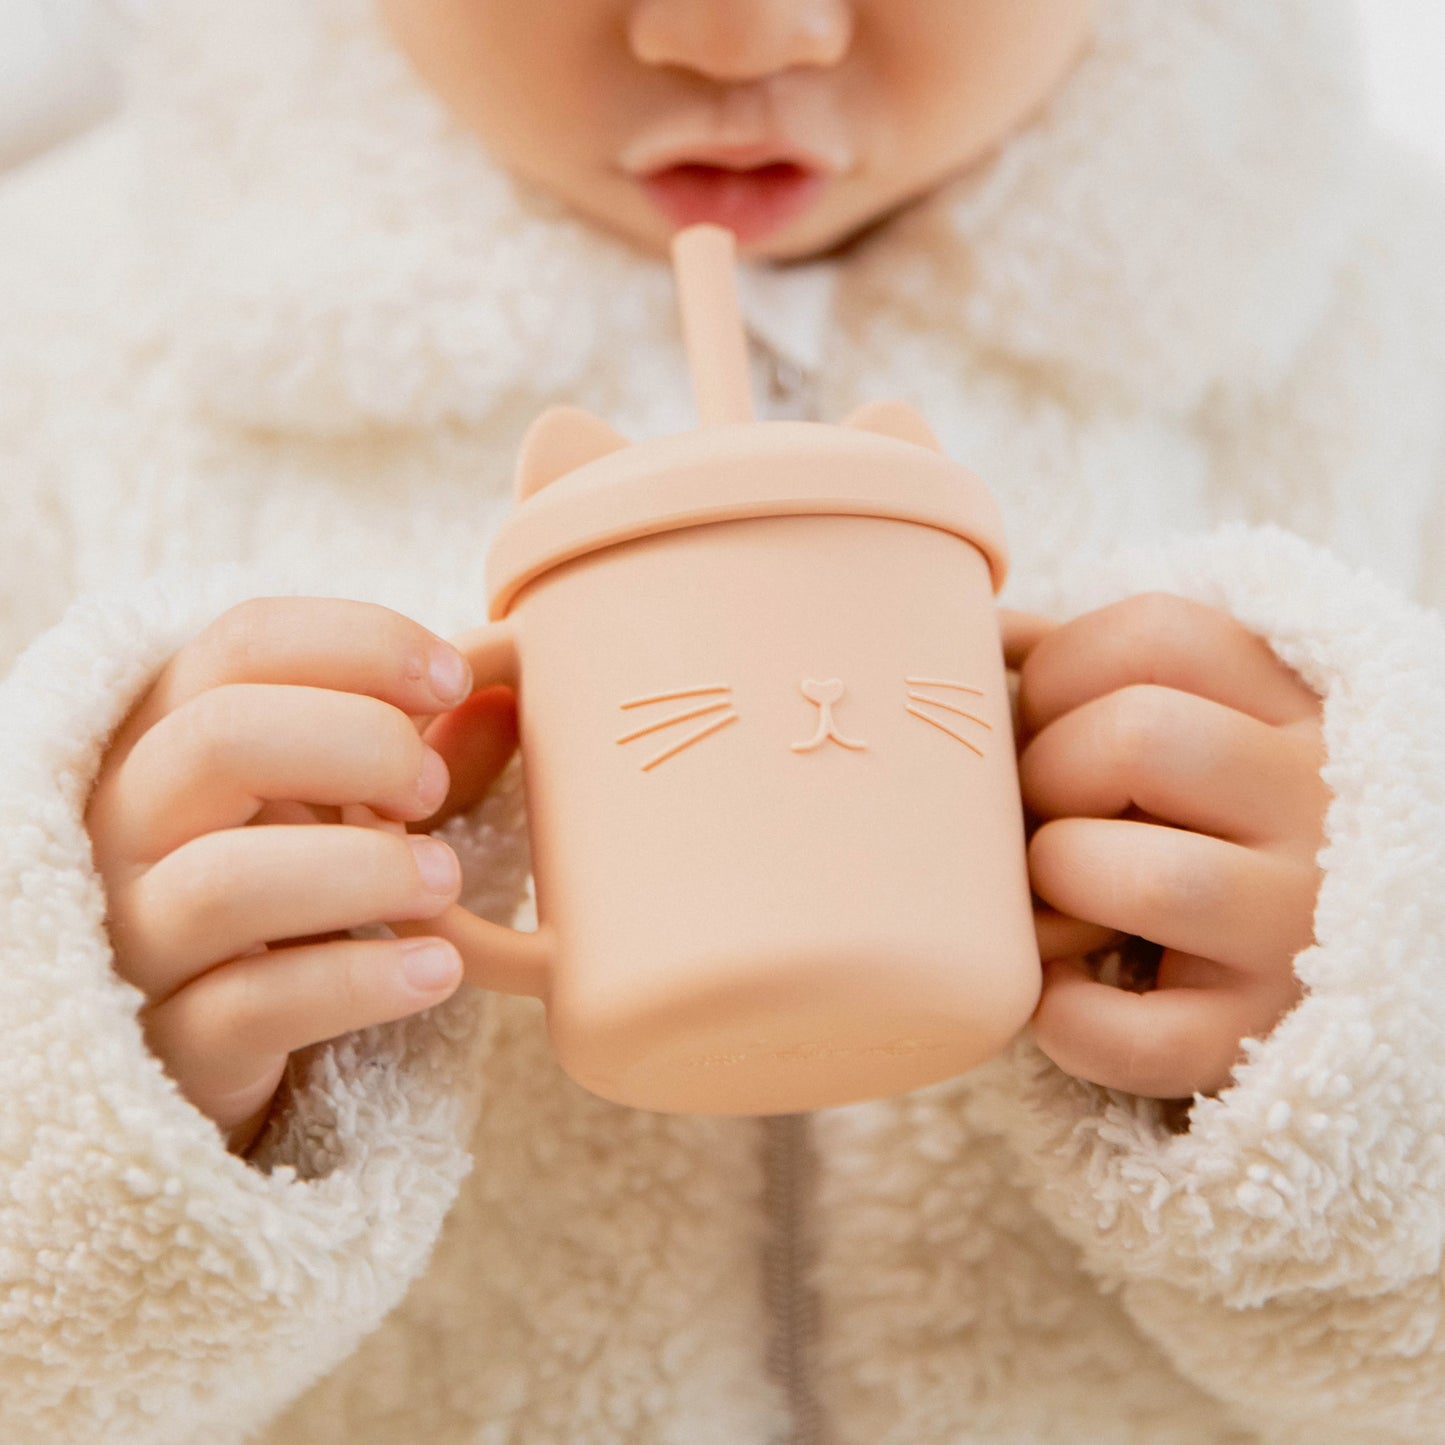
[825, 694]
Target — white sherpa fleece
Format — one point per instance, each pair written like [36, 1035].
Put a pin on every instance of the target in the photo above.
[280, 329]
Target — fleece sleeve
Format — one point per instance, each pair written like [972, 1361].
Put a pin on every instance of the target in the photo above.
[1284, 1248]
[153, 1287]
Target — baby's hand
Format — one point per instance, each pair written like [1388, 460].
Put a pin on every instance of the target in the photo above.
[284, 711]
[1175, 763]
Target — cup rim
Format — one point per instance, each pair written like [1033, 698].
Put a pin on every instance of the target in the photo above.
[746, 469]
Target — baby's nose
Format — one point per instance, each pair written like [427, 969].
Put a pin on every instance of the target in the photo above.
[740, 40]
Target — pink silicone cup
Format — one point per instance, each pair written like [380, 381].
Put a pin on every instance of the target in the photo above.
[767, 750]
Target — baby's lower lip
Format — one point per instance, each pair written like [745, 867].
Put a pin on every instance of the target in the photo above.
[752, 203]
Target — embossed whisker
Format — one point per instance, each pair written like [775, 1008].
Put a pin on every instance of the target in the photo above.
[696, 737]
[943, 729]
[942, 682]
[949, 707]
[667, 722]
[674, 696]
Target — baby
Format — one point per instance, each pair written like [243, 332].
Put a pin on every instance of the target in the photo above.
[1224, 1135]
[799, 126]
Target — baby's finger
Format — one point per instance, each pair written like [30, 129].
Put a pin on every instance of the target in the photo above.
[223, 894]
[1180, 758]
[224, 1038]
[213, 762]
[1169, 1043]
[1162, 639]
[313, 642]
[1234, 905]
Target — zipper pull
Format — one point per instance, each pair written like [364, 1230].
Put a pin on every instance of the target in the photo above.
[791, 391]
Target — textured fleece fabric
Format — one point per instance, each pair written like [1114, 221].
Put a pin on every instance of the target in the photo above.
[279, 329]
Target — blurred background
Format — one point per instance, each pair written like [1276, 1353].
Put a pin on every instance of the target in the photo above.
[54, 76]
[55, 79]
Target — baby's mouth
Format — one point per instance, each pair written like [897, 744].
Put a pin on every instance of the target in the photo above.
[751, 202]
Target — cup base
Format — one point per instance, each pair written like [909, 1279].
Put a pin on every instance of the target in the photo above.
[782, 1047]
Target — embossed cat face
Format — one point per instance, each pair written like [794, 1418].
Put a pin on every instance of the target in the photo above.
[564, 438]
[714, 702]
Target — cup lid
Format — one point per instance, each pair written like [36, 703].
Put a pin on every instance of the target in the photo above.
[735, 470]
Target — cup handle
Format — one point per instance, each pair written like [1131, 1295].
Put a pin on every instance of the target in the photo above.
[505, 960]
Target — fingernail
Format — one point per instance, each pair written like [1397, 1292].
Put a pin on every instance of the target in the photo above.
[451, 678]
[436, 863]
[431, 786]
[429, 965]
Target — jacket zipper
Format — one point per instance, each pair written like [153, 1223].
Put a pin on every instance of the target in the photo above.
[792, 1305]
[791, 393]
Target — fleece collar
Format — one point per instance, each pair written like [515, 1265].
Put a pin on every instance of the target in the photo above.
[334, 255]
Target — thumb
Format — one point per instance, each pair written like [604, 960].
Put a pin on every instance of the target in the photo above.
[476, 740]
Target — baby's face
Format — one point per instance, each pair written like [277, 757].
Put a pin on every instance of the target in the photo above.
[797, 123]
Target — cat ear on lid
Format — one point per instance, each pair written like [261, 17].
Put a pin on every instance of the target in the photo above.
[894, 419]
[561, 439]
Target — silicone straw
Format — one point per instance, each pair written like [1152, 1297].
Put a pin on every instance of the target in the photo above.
[703, 259]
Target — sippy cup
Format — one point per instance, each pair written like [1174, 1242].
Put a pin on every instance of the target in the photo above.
[766, 745]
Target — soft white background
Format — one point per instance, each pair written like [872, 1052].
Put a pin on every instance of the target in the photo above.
[54, 79]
